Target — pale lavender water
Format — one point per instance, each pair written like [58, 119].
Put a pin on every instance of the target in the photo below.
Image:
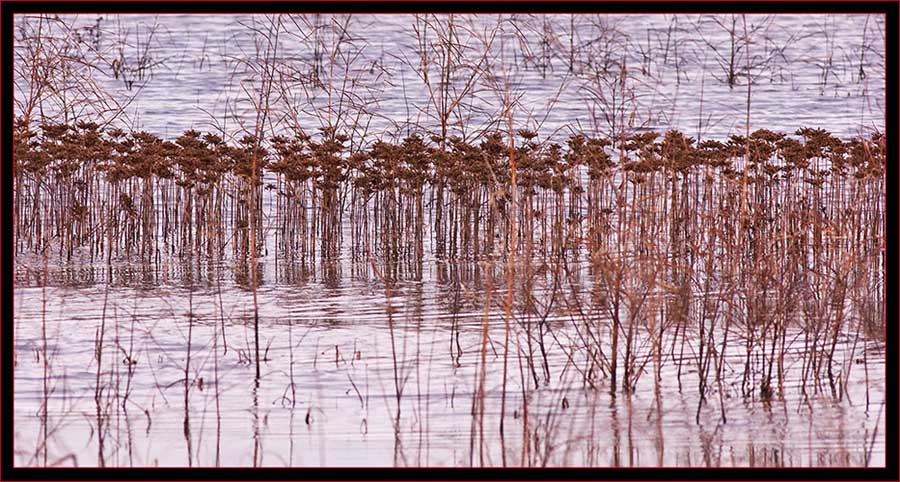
[344, 382]
[806, 70]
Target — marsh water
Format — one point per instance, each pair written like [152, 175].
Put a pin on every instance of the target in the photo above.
[174, 72]
[152, 363]
[331, 399]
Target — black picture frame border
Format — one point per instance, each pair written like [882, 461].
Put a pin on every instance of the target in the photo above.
[10, 8]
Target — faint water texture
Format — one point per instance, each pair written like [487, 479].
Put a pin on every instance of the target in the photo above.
[341, 407]
[190, 71]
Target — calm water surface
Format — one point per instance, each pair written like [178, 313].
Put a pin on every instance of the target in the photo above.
[195, 71]
[327, 395]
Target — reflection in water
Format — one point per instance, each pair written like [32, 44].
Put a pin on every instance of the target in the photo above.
[187, 379]
[257, 440]
[428, 352]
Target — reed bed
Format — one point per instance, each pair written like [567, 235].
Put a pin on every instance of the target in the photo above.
[724, 242]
